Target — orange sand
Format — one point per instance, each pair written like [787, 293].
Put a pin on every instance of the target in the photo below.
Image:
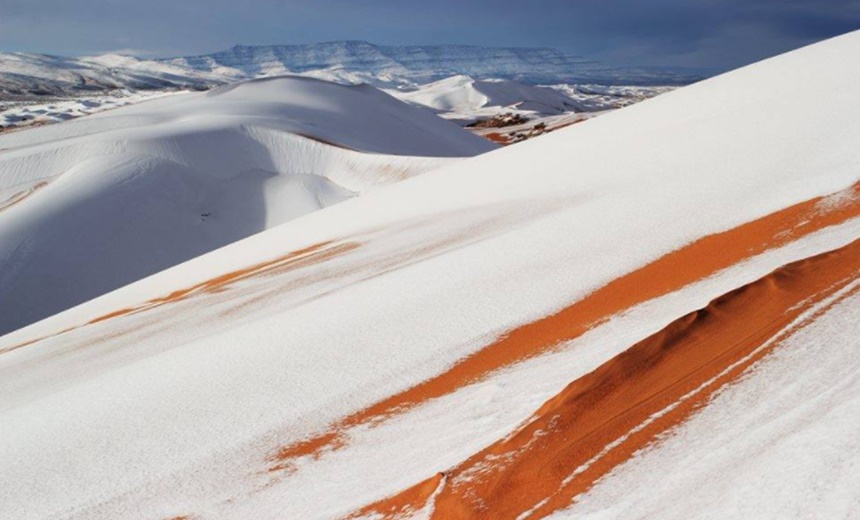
[293, 260]
[669, 273]
[670, 374]
[21, 195]
[496, 137]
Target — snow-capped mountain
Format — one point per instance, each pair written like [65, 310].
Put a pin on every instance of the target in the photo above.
[25, 75]
[28, 75]
[422, 64]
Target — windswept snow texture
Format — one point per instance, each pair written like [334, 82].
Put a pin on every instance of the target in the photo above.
[93, 204]
[386, 356]
[782, 443]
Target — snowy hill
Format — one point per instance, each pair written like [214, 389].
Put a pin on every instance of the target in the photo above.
[469, 97]
[93, 204]
[26, 75]
[507, 111]
[653, 314]
[38, 89]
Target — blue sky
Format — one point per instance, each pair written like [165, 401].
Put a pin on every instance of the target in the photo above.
[700, 33]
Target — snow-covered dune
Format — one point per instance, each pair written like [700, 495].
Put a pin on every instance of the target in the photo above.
[530, 332]
[93, 204]
[468, 97]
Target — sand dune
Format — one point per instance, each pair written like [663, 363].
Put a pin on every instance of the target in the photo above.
[685, 266]
[603, 418]
[127, 193]
[584, 324]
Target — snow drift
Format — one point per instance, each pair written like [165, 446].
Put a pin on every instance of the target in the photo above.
[401, 352]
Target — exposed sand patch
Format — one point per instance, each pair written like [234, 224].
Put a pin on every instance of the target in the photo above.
[17, 197]
[293, 260]
[687, 265]
[603, 418]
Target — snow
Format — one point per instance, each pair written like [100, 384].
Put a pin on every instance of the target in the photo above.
[385, 65]
[605, 97]
[457, 425]
[175, 410]
[464, 98]
[41, 88]
[464, 94]
[120, 195]
[27, 75]
[19, 114]
[783, 442]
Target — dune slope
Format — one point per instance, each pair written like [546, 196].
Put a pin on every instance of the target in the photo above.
[418, 350]
[93, 204]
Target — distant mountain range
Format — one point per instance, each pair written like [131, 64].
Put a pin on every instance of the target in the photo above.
[425, 63]
[28, 75]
